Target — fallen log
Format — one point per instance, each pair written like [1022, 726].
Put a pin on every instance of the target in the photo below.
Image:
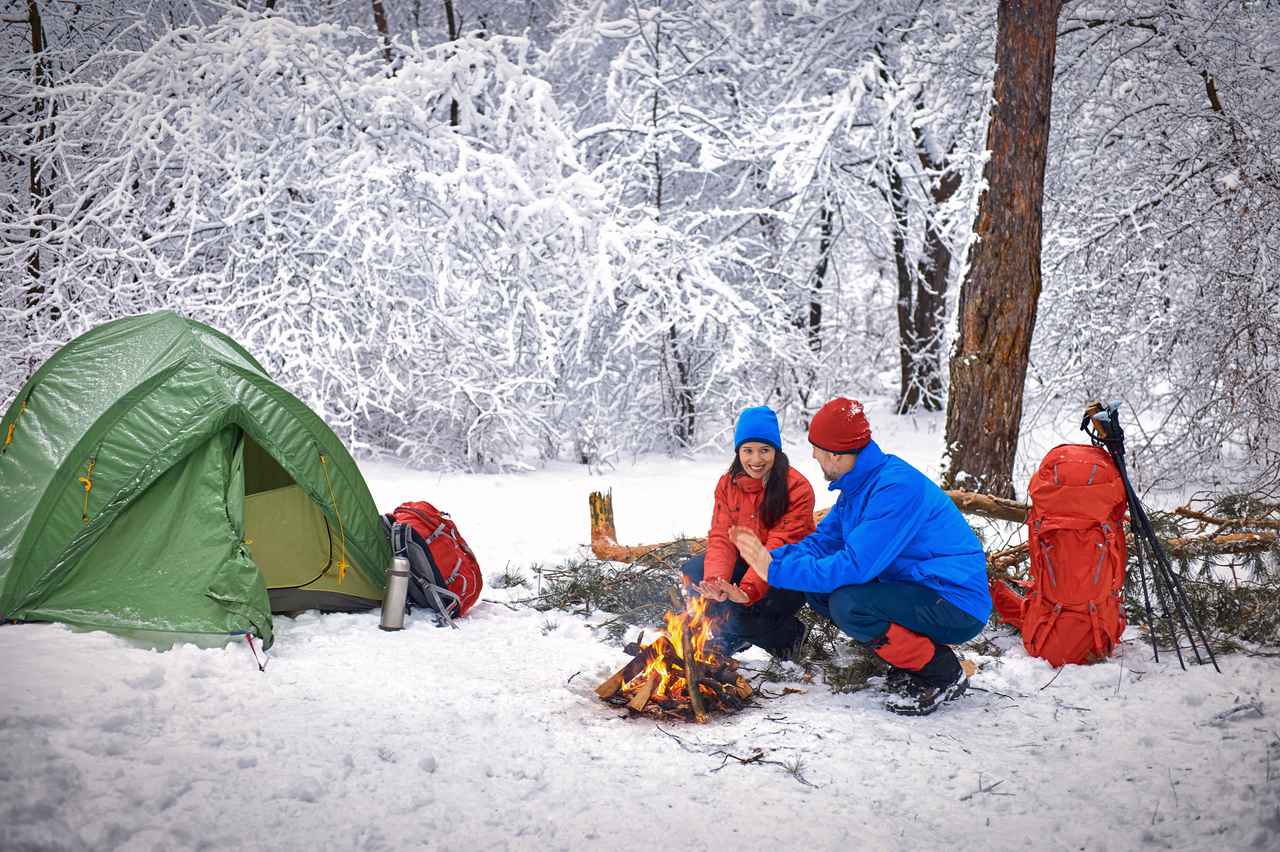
[1000, 564]
[1222, 544]
[604, 535]
[987, 506]
[1224, 523]
[604, 538]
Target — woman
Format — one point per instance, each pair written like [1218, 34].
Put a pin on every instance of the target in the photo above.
[760, 492]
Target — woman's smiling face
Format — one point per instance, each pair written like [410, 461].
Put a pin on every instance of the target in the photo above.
[756, 458]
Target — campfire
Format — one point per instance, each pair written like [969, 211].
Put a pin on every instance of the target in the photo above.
[675, 676]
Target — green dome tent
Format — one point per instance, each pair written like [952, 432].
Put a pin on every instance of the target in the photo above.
[154, 478]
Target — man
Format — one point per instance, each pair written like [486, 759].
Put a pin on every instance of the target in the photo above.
[894, 564]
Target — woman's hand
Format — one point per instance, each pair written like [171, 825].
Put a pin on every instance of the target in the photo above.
[752, 549]
[719, 589]
[711, 590]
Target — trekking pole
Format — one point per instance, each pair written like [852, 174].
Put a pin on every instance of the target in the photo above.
[1163, 594]
[1179, 594]
[1167, 585]
[1107, 432]
[1099, 436]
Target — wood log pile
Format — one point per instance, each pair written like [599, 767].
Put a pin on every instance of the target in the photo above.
[669, 679]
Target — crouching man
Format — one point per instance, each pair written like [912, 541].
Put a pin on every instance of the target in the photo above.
[894, 564]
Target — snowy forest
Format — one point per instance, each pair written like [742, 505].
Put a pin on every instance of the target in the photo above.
[484, 234]
[524, 256]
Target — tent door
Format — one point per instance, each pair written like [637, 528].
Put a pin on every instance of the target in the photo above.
[292, 543]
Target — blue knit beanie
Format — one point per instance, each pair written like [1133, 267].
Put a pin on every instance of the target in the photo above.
[757, 423]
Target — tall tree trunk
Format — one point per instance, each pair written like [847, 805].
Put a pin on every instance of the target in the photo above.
[928, 320]
[826, 236]
[681, 390]
[922, 295]
[999, 295]
[910, 393]
[384, 31]
[455, 30]
[37, 183]
[811, 320]
[929, 313]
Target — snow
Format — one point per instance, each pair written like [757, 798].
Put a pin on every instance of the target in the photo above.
[490, 736]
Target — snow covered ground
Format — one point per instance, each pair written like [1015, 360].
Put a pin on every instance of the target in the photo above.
[490, 737]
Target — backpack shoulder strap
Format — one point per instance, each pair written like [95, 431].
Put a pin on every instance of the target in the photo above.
[426, 575]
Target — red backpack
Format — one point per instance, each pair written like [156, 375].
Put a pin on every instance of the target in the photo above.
[451, 564]
[1074, 612]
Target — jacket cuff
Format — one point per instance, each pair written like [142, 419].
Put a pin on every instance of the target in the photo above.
[753, 586]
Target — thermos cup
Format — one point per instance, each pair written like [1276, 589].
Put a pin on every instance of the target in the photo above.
[393, 600]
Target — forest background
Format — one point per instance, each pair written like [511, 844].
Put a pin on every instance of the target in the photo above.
[484, 235]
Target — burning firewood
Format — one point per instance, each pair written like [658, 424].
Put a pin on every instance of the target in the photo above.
[675, 676]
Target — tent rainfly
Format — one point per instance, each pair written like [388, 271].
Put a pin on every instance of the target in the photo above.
[154, 480]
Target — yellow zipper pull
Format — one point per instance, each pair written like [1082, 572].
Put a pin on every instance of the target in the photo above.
[13, 424]
[87, 482]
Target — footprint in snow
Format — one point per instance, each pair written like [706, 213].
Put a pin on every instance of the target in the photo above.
[117, 723]
[153, 679]
[305, 790]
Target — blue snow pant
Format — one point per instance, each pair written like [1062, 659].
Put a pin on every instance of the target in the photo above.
[770, 622]
[866, 610]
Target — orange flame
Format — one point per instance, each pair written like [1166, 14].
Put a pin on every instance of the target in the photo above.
[691, 629]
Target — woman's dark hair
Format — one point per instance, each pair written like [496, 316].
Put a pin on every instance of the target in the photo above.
[774, 504]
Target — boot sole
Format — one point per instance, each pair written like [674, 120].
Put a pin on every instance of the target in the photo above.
[951, 693]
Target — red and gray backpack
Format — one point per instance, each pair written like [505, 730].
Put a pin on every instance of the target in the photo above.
[1074, 609]
[443, 572]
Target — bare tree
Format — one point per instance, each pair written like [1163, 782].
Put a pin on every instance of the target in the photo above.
[922, 297]
[1000, 292]
[36, 172]
[455, 30]
[384, 31]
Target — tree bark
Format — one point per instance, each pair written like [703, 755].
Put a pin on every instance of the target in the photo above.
[825, 238]
[1000, 292]
[682, 402]
[35, 289]
[455, 30]
[929, 315]
[908, 392]
[384, 31]
[922, 295]
[806, 385]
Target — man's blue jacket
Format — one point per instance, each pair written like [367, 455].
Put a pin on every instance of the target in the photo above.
[890, 523]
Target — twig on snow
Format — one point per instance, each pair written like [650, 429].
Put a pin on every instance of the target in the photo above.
[1052, 679]
[508, 605]
[793, 768]
[989, 789]
[679, 741]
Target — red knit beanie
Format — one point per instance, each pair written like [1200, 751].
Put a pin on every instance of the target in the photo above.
[840, 427]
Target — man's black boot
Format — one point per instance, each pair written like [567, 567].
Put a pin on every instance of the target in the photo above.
[940, 680]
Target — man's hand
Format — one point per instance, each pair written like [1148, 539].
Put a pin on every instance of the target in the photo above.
[719, 589]
[752, 550]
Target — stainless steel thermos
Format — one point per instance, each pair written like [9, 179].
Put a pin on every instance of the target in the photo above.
[393, 600]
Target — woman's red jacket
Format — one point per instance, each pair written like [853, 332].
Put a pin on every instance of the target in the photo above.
[738, 504]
